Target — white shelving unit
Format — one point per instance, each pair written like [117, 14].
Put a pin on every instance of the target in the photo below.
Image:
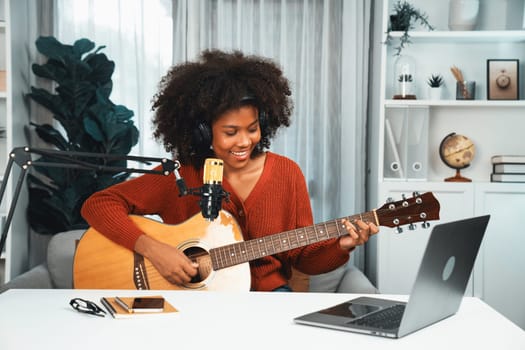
[13, 117]
[455, 103]
[479, 36]
[495, 127]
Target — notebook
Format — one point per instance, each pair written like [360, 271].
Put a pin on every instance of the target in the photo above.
[436, 294]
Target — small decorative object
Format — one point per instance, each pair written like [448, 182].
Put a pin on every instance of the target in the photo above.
[435, 81]
[503, 79]
[404, 75]
[403, 19]
[463, 14]
[465, 90]
[457, 152]
[2, 80]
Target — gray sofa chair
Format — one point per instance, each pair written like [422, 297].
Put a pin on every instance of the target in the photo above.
[344, 279]
[56, 271]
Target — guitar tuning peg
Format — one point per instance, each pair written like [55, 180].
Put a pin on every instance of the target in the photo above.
[425, 224]
[389, 200]
[403, 196]
[412, 227]
[415, 194]
[399, 229]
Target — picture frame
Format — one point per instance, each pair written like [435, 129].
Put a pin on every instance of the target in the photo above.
[503, 79]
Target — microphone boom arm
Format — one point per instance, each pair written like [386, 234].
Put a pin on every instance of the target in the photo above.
[21, 156]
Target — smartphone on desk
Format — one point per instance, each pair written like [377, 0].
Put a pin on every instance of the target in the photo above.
[141, 304]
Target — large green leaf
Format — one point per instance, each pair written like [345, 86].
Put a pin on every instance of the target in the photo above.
[53, 70]
[51, 135]
[104, 90]
[81, 46]
[125, 142]
[52, 48]
[52, 102]
[122, 113]
[102, 68]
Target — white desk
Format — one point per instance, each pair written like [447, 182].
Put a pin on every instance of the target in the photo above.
[43, 319]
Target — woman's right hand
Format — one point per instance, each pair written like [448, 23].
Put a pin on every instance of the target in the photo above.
[169, 261]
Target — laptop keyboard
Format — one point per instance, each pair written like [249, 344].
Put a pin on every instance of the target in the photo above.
[388, 318]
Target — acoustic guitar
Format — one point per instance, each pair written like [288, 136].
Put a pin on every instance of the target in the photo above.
[219, 248]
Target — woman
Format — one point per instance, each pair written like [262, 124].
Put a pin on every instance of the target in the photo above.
[227, 106]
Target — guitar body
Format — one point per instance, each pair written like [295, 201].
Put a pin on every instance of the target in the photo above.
[100, 263]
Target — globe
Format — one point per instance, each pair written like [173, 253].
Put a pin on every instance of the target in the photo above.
[457, 152]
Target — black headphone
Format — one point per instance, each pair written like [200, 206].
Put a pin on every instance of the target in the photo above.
[202, 134]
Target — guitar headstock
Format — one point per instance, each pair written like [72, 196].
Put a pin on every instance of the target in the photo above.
[419, 208]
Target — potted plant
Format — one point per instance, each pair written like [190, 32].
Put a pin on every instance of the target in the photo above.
[435, 82]
[403, 18]
[88, 122]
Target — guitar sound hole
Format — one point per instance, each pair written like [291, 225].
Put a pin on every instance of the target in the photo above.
[201, 257]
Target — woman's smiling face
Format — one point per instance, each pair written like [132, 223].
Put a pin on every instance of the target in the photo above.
[235, 135]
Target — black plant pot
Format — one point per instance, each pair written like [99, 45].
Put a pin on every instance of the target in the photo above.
[399, 23]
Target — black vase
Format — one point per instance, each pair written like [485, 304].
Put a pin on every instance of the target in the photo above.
[399, 23]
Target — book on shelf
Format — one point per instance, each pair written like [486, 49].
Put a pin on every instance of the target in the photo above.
[118, 311]
[508, 168]
[507, 177]
[2, 80]
[515, 159]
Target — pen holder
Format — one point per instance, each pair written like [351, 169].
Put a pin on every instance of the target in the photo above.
[465, 90]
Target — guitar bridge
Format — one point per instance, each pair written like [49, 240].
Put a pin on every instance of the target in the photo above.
[140, 276]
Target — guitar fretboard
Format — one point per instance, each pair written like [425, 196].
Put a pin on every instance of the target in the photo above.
[245, 251]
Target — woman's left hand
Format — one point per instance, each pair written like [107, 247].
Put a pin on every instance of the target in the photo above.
[358, 233]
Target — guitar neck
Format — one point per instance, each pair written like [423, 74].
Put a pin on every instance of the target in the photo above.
[241, 252]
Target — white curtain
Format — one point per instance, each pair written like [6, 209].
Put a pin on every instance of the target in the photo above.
[138, 37]
[323, 48]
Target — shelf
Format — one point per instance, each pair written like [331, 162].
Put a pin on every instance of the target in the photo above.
[475, 36]
[14, 38]
[432, 183]
[455, 103]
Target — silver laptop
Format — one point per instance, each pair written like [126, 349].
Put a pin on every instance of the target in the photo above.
[437, 292]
